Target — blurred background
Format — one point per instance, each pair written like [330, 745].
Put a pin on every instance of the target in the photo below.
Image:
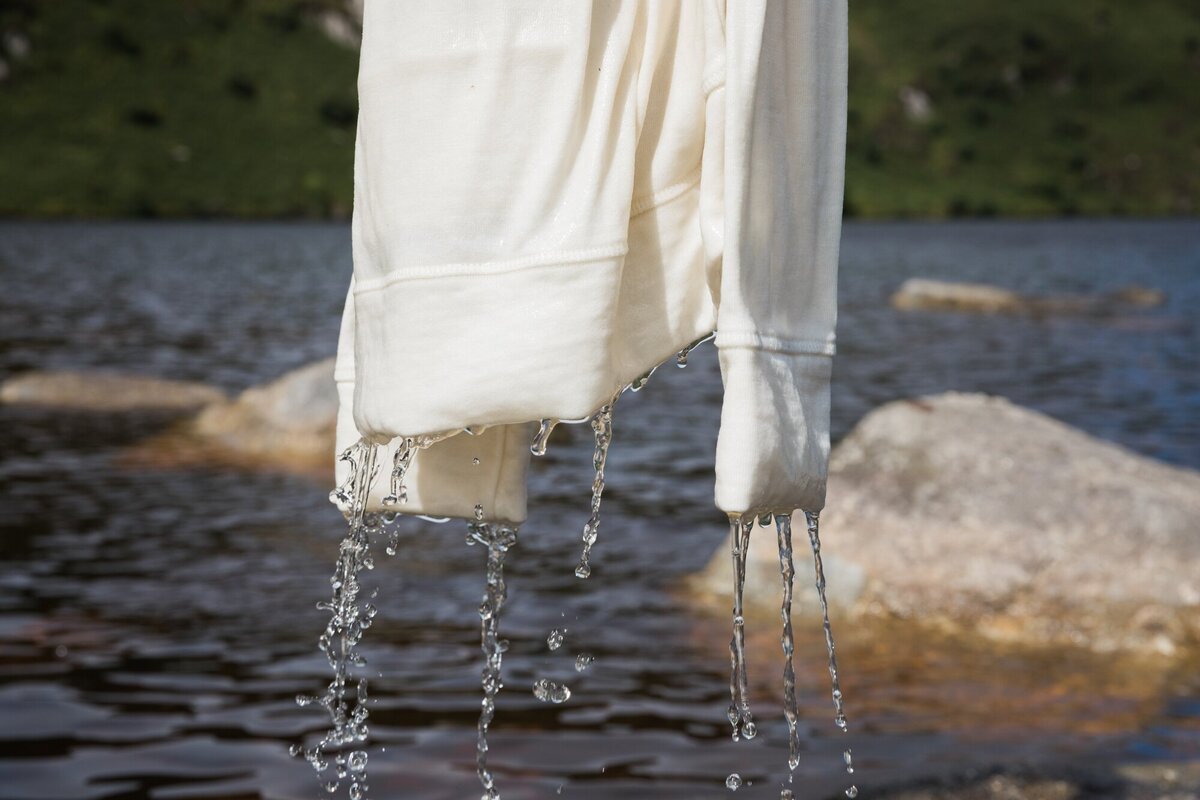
[1012, 539]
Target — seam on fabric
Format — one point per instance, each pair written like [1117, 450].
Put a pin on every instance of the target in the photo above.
[663, 196]
[714, 76]
[775, 344]
[551, 259]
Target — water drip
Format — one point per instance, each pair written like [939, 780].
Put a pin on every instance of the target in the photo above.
[783, 530]
[583, 661]
[498, 539]
[681, 358]
[739, 706]
[733, 782]
[542, 438]
[839, 709]
[555, 639]
[602, 428]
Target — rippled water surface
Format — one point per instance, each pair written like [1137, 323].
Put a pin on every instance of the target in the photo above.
[155, 625]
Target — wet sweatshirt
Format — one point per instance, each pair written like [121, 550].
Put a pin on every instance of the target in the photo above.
[552, 197]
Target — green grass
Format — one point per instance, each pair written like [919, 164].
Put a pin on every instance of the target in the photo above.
[243, 108]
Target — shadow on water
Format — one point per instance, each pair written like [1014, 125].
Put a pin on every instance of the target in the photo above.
[156, 625]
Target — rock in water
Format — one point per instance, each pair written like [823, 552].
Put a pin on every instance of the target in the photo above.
[968, 509]
[924, 294]
[288, 418]
[285, 424]
[108, 392]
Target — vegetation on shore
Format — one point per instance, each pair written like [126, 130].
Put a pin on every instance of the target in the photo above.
[246, 108]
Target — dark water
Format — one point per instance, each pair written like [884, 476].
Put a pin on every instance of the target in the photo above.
[155, 625]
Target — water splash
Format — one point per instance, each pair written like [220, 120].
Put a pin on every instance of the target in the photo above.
[549, 691]
[783, 531]
[839, 709]
[739, 706]
[344, 631]
[498, 539]
[602, 428]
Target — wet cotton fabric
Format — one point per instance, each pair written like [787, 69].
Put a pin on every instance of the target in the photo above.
[553, 197]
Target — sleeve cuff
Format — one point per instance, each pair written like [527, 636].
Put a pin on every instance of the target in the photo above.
[444, 480]
[773, 444]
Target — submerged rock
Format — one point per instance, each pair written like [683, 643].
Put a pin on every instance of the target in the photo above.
[924, 294]
[106, 391]
[968, 510]
[285, 424]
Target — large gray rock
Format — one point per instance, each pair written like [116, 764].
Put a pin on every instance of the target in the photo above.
[970, 510]
[105, 391]
[924, 294]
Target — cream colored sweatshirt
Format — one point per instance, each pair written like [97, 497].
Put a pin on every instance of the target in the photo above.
[553, 196]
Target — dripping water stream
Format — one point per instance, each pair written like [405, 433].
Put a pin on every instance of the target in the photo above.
[349, 619]
[498, 539]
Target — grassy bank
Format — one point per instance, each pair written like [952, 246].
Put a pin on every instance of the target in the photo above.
[246, 108]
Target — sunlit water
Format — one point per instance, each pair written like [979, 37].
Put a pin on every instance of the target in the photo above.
[156, 626]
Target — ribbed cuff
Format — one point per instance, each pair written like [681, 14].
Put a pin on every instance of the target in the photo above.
[773, 445]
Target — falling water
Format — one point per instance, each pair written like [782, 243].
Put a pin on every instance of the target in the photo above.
[739, 707]
[342, 635]
[498, 539]
[783, 531]
[555, 639]
[602, 427]
[839, 710]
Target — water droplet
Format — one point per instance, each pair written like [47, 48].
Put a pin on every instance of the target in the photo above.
[356, 791]
[358, 761]
[583, 570]
[852, 792]
[786, 794]
[305, 700]
[749, 730]
[733, 782]
[295, 751]
[542, 438]
[478, 511]
[475, 461]
[583, 661]
[555, 639]
[549, 691]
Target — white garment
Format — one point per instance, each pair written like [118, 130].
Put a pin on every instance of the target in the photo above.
[553, 196]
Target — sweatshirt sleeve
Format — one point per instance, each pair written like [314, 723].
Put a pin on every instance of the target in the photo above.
[784, 129]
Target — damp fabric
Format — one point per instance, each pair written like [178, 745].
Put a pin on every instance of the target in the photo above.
[551, 198]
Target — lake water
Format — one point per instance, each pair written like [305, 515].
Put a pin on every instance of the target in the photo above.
[155, 624]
